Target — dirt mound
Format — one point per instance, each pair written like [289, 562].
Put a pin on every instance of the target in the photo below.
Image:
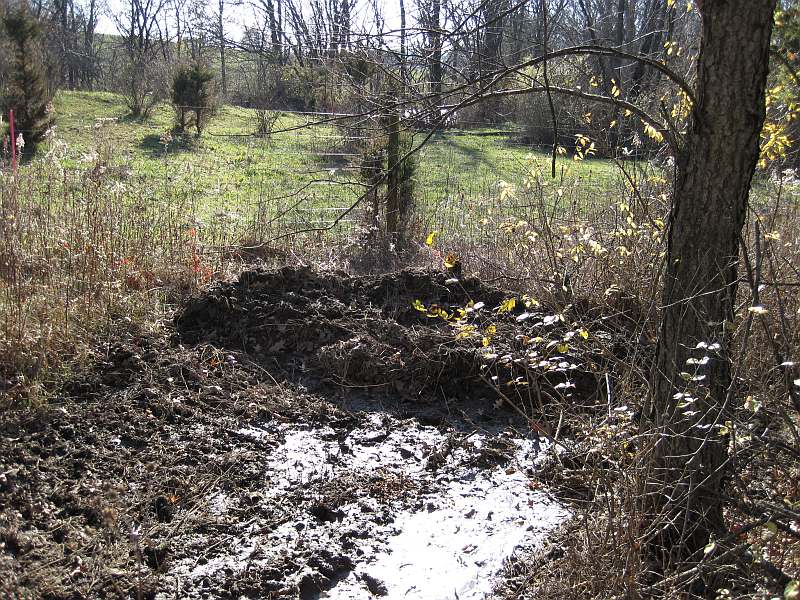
[412, 332]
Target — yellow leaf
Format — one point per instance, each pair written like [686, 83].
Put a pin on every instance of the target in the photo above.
[419, 306]
[465, 332]
[450, 261]
[529, 302]
[431, 239]
[506, 190]
[583, 333]
[563, 347]
[653, 133]
[507, 306]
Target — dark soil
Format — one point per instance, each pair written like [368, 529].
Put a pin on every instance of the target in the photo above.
[365, 332]
[152, 461]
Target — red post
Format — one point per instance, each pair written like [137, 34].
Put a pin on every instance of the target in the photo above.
[13, 142]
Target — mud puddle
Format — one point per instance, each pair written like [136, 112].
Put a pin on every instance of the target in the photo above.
[389, 508]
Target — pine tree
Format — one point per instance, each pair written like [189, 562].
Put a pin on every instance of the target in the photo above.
[28, 94]
[192, 92]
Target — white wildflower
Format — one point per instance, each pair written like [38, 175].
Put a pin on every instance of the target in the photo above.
[89, 157]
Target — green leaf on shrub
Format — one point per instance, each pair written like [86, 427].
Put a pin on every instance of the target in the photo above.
[770, 530]
[752, 404]
[792, 590]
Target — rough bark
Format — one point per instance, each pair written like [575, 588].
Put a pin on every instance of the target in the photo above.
[393, 179]
[689, 402]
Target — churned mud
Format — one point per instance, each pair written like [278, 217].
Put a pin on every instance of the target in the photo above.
[296, 434]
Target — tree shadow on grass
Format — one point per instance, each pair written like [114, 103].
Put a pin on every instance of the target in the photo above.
[472, 155]
[154, 144]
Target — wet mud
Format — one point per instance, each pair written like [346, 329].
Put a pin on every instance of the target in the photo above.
[294, 435]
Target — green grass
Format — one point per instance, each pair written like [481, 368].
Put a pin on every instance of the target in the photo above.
[226, 166]
[230, 171]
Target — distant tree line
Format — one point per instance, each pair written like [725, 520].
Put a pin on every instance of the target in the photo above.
[279, 46]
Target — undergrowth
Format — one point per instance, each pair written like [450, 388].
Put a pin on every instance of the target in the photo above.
[89, 244]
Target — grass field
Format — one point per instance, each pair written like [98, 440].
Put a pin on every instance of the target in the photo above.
[229, 169]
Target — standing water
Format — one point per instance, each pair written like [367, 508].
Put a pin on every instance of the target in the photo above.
[389, 508]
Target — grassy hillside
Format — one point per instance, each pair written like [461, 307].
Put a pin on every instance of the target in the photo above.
[230, 169]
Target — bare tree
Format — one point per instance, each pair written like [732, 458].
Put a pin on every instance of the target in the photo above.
[143, 79]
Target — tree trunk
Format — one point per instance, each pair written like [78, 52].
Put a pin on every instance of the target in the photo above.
[690, 401]
[393, 179]
[223, 73]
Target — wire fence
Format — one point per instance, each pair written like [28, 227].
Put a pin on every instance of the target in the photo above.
[460, 177]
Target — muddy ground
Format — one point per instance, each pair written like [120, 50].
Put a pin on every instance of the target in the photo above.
[297, 434]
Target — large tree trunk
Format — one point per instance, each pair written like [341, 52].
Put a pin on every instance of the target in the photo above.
[689, 401]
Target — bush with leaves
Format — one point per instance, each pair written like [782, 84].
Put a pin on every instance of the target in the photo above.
[193, 96]
[28, 93]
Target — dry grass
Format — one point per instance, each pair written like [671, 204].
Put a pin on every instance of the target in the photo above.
[81, 251]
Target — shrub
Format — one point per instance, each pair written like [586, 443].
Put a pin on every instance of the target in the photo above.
[28, 94]
[265, 120]
[193, 96]
[142, 85]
